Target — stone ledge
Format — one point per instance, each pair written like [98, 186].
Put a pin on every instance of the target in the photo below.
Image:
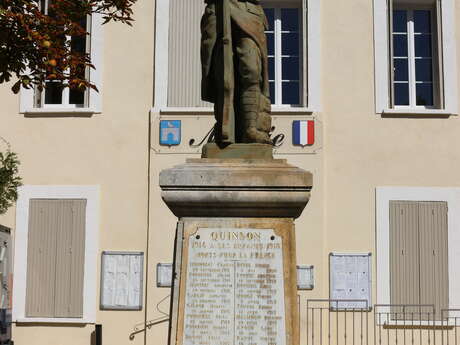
[236, 188]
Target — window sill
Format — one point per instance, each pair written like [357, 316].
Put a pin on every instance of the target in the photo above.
[60, 111]
[53, 320]
[417, 112]
[276, 110]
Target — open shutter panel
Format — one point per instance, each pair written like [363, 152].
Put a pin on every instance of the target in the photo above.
[391, 72]
[404, 257]
[304, 30]
[439, 78]
[41, 258]
[184, 70]
[434, 285]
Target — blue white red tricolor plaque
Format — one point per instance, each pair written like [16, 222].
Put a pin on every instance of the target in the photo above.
[170, 132]
[303, 132]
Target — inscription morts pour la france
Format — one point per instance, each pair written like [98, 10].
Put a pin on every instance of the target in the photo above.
[235, 288]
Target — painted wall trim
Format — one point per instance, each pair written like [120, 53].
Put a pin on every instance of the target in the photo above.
[162, 58]
[161, 62]
[383, 197]
[314, 55]
[381, 57]
[92, 195]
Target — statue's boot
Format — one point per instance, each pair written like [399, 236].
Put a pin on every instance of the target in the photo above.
[254, 107]
[256, 121]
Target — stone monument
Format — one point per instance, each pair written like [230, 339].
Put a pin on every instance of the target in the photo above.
[234, 280]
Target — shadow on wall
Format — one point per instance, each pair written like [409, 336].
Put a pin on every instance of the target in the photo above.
[96, 335]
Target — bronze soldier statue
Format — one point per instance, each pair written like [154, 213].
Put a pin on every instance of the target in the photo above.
[235, 70]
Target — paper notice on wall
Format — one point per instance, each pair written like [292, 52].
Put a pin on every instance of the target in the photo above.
[350, 279]
[122, 280]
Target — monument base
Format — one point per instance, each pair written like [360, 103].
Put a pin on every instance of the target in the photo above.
[235, 264]
[237, 151]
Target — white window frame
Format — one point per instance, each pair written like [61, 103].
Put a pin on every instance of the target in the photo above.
[311, 74]
[94, 98]
[382, 56]
[409, 9]
[26, 193]
[383, 197]
[277, 35]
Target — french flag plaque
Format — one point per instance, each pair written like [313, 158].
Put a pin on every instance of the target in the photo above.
[303, 132]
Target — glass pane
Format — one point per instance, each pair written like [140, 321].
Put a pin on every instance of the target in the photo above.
[272, 92]
[270, 44]
[401, 70]
[290, 44]
[290, 19]
[401, 93]
[53, 93]
[270, 14]
[271, 68]
[400, 45]
[423, 45]
[76, 97]
[399, 21]
[424, 94]
[291, 92]
[423, 70]
[290, 68]
[78, 43]
[422, 21]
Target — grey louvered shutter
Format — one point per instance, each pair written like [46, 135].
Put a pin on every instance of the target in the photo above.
[434, 282]
[184, 70]
[404, 255]
[55, 262]
[419, 258]
[41, 258]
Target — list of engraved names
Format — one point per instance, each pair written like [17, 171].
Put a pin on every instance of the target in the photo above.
[234, 288]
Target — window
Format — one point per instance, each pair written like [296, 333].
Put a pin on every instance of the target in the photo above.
[55, 254]
[294, 61]
[415, 57]
[55, 258]
[284, 53]
[54, 98]
[419, 256]
[417, 260]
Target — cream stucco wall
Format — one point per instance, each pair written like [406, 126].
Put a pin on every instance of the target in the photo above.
[109, 150]
[358, 151]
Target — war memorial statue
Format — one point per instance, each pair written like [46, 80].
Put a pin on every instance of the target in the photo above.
[235, 70]
[234, 271]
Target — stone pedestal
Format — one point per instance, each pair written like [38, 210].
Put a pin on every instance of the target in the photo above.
[235, 265]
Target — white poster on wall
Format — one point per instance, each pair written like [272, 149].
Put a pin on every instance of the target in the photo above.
[350, 281]
[121, 285]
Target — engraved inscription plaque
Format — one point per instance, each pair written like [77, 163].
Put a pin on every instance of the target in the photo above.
[234, 288]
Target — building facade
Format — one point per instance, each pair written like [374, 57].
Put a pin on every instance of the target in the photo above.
[378, 81]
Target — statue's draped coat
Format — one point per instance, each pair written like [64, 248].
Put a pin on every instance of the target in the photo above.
[249, 17]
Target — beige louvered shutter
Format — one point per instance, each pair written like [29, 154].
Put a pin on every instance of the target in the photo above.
[41, 258]
[404, 256]
[56, 258]
[70, 263]
[434, 284]
[184, 70]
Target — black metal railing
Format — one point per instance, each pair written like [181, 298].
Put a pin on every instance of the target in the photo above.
[354, 322]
